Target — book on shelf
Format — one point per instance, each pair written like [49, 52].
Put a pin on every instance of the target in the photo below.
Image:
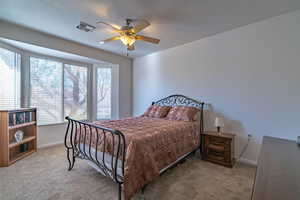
[20, 117]
[28, 117]
[12, 119]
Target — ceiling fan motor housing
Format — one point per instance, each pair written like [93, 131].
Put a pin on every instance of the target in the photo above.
[128, 21]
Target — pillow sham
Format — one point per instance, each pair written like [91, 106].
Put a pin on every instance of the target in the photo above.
[184, 113]
[157, 111]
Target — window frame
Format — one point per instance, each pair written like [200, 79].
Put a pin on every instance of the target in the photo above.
[29, 97]
[20, 52]
[114, 89]
[89, 95]
[63, 62]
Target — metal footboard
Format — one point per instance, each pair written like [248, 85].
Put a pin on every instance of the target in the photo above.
[102, 146]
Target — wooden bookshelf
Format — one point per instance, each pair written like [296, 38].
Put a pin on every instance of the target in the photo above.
[11, 121]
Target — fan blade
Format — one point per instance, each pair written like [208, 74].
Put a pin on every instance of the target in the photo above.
[130, 48]
[114, 27]
[110, 39]
[139, 25]
[147, 39]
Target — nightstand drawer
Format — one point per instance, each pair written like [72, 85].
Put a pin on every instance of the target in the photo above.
[217, 141]
[217, 147]
[213, 154]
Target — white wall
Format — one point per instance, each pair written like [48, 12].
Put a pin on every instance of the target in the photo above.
[55, 133]
[51, 135]
[250, 75]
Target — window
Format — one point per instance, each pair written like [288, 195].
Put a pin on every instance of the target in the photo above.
[58, 90]
[46, 89]
[75, 91]
[104, 81]
[58, 87]
[9, 79]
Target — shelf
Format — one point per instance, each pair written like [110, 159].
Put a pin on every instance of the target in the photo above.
[22, 125]
[21, 156]
[25, 140]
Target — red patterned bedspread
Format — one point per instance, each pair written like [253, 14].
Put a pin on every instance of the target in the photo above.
[151, 145]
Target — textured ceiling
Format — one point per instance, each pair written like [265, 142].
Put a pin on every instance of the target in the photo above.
[175, 22]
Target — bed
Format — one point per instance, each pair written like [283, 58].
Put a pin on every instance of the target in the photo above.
[134, 151]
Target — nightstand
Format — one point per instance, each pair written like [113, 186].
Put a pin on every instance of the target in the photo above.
[218, 148]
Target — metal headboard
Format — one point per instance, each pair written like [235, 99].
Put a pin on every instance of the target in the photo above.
[181, 100]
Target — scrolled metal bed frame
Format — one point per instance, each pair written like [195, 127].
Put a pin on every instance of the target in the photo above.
[76, 135]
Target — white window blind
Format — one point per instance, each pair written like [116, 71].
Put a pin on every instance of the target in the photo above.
[9, 79]
[46, 89]
[104, 81]
[75, 91]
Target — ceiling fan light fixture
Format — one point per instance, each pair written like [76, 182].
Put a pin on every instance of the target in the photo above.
[127, 40]
[128, 34]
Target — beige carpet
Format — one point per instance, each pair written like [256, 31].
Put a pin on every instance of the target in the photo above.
[44, 176]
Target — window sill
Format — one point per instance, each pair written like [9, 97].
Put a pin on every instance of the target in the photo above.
[103, 119]
[52, 124]
[66, 122]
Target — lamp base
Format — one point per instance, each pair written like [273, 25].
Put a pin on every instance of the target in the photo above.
[219, 130]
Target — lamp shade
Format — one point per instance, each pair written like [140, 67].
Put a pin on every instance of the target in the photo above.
[219, 122]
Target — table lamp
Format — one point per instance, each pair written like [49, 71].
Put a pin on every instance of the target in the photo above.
[219, 122]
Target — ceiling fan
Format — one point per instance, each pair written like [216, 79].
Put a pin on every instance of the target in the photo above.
[128, 34]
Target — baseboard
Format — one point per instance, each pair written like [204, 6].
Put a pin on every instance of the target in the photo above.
[247, 161]
[50, 145]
